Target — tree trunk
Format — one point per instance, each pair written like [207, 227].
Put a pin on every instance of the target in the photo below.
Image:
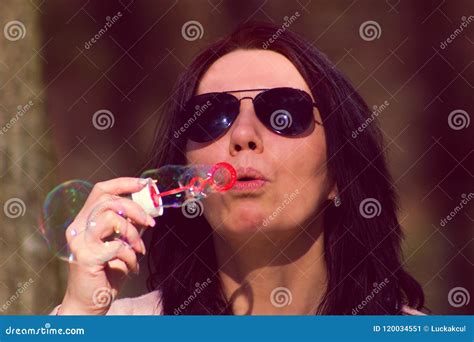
[29, 274]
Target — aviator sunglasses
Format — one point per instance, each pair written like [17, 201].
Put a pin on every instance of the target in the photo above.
[285, 111]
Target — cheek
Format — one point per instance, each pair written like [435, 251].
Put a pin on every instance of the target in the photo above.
[301, 162]
[208, 154]
[302, 180]
[195, 155]
[309, 166]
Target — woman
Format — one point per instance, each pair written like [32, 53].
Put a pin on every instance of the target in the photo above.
[297, 235]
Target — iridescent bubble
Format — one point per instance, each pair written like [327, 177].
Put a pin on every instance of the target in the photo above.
[61, 206]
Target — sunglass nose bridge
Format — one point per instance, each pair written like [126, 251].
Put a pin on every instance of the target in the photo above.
[246, 97]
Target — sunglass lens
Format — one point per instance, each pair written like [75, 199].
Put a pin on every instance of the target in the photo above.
[208, 116]
[286, 111]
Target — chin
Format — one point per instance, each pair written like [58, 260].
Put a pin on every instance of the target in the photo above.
[245, 219]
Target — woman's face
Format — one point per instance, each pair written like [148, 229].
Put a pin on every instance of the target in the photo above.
[297, 182]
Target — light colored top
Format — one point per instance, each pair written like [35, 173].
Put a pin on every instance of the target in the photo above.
[150, 304]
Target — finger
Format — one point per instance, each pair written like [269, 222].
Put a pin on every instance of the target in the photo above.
[112, 187]
[109, 223]
[110, 253]
[124, 207]
[117, 250]
[119, 186]
[105, 253]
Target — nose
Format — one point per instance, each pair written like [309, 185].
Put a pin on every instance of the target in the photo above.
[245, 132]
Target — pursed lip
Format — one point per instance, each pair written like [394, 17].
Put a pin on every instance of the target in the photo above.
[249, 172]
[249, 178]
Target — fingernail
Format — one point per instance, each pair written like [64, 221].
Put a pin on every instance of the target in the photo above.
[143, 247]
[143, 181]
[151, 222]
[137, 270]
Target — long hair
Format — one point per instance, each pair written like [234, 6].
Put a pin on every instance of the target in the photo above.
[362, 237]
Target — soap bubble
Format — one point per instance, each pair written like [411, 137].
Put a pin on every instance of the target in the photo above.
[60, 208]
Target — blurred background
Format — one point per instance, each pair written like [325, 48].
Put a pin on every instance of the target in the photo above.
[65, 64]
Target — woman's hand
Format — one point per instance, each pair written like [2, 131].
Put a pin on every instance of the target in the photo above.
[100, 267]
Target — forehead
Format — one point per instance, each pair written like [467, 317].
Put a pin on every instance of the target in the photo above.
[247, 69]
